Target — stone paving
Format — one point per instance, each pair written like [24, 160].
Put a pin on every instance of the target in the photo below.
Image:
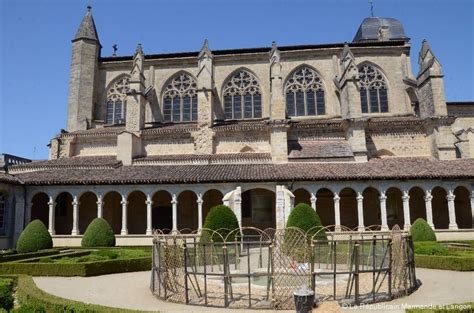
[131, 290]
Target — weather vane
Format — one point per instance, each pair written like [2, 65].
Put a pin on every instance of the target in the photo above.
[371, 7]
[114, 47]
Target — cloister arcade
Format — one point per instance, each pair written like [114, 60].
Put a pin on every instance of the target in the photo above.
[137, 210]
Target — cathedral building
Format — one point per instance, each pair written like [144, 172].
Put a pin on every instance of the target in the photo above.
[153, 141]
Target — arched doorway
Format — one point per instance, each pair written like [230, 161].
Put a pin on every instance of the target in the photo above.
[87, 210]
[63, 214]
[187, 210]
[210, 199]
[162, 215]
[371, 203]
[136, 213]
[40, 208]
[440, 208]
[348, 208]
[394, 207]
[417, 204]
[258, 208]
[112, 208]
[302, 196]
[462, 205]
[325, 206]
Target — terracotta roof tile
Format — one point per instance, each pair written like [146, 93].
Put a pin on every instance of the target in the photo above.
[74, 162]
[390, 168]
[8, 179]
[322, 149]
[235, 158]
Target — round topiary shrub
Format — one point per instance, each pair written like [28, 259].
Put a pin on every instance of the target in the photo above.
[421, 231]
[34, 237]
[222, 219]
[98, 234]
[305, 218]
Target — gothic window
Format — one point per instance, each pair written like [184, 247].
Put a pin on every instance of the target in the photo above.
[242, 97]
[373, 90]
[305, 93]
[180, 102]
[2, 210]
[116, 101]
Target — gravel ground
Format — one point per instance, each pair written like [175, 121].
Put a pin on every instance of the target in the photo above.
[131, 290]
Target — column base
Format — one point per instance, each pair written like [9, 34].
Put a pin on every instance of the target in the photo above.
[124, 232]
[52, 232]
[337, 228]
[432, 226]
[384, 228]
[148, 232]
[406, 227]
[453, 226]
[360, 228]
[74, 233]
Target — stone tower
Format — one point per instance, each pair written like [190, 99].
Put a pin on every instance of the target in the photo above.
[85, 54]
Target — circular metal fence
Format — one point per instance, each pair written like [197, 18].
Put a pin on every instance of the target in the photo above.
[253, 268]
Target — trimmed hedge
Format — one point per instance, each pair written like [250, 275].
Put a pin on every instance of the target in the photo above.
[421, 231]
[223, 219]
[455, 263]
[6, 290]
[430, 248]
[34, 237]
[29, 255]
[33, 299]
[98, 234]
[305, 218]
[77, 269]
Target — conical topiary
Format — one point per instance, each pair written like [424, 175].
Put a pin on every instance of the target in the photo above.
[223, 219]
[98, 234]
[421, 231]
[305, 218]
[34, 237]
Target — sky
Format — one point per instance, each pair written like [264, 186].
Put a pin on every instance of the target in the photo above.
[35, 44]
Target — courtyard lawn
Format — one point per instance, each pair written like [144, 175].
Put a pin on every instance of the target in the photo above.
[458, 255]
[447, 308]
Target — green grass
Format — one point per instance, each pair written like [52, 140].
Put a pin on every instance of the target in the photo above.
[100, 255]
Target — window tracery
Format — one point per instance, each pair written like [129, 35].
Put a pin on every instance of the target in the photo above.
[116, 101]
[305, 93]
[242, 96]
[180, 102]
[373, 90]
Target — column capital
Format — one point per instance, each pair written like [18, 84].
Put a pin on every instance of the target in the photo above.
[174, 199]
[405, 197]
[450, 197]
[360, 197]
[123, 202]
[382, 196]
[199, 198]
[428, 198]
[336, 197]
[52, 203]
[148, 202]
[313, 197]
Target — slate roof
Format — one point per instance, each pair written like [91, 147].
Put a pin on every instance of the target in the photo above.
[377, 169]
[369, 29]
[87, 28]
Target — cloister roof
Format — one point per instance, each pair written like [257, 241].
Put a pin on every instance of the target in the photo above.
[8, 179]
[377, 169]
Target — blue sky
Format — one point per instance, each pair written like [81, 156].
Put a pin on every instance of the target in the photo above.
[35, 50]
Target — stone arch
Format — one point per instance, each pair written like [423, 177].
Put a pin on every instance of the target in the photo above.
[136, 212]
[325, 206]
[371, 204]
[348, 208]
[462, 206]
[63, 214]
[162, 212]
[87, 210]
[258, 208]
[40, 208]
[302, 196]
[210, 199]
[112, 210]
[440, 208]
[394, 207]
[187, 210]
[417, 204]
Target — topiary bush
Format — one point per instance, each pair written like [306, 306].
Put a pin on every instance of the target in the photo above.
[34, 237]
[421, 231]
[305, 218]
[220, 218]
[98, 234]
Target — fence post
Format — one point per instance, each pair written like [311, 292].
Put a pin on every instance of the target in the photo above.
[185, 251]
[390, 268]
[356, 272]
[313, 283]
[374, 264]
[226, 297]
